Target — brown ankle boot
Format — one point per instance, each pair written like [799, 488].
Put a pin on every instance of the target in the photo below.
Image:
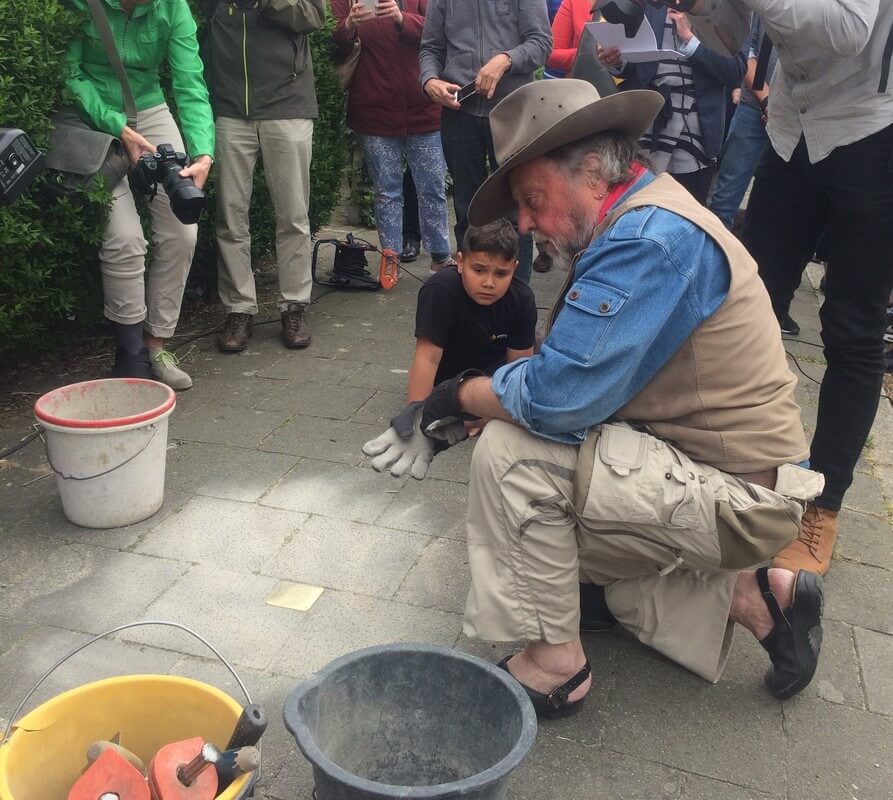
[294, 326]
[814, 546]
[236, 333]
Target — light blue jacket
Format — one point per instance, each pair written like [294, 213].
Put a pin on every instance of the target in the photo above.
[638, 292]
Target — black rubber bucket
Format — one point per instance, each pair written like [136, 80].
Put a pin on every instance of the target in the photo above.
[411, 721]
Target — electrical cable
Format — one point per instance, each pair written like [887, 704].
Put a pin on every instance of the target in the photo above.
[22, 443]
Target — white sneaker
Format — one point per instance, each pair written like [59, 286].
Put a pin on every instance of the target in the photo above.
[165, 369]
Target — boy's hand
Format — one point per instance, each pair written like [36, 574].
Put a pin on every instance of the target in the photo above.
[403, 448]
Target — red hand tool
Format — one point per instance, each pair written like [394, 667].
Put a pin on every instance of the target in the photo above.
[112, 775]
[180, 771]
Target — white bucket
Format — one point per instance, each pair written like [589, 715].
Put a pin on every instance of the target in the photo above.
[107, 443]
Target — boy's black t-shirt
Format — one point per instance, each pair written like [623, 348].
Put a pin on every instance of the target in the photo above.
[473, 336]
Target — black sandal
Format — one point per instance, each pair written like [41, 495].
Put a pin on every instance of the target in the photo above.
[796, 640]
[554, 704]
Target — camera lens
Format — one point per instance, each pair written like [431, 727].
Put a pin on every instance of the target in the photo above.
[187, 200]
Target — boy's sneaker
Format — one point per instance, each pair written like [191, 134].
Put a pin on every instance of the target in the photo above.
[788, 326]
[437, 266]
[165, 368]
[132, 365]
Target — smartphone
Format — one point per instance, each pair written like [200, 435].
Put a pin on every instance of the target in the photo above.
[465, 92]
[370, 4]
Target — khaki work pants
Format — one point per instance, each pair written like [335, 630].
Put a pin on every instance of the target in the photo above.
[286, 147]
[663, 534]
[122, 256]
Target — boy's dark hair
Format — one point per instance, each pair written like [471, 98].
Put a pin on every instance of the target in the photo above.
[497, 238]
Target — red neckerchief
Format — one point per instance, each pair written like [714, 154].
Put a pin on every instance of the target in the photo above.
[636, 171]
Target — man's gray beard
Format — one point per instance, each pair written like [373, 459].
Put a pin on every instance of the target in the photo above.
[583, 223]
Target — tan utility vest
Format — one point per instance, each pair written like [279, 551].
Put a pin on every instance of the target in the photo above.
[726, 397]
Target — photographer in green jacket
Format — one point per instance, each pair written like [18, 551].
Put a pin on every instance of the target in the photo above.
[147, 33]
[260, 74]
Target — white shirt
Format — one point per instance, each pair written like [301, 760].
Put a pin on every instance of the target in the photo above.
[830, 68]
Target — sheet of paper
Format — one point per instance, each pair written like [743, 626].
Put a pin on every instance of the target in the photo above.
[642, 47]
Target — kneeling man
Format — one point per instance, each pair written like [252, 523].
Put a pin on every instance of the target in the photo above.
[648, 454]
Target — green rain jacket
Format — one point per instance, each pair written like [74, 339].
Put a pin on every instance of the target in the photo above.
[154, 32]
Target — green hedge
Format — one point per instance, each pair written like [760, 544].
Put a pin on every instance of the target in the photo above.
[49, 277]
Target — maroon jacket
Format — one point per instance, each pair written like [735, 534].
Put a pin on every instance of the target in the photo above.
[385, 96]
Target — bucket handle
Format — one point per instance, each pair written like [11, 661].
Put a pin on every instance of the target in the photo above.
[104, 472]
[96, 638]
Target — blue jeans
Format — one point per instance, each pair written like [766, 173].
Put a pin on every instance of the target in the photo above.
[740, 155]
[384, 161]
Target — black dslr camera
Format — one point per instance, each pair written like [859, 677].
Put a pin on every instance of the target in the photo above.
[163, 166]
[20, 164]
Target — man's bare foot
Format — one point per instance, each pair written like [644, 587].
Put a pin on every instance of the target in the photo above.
[749, 609]
[543, 667]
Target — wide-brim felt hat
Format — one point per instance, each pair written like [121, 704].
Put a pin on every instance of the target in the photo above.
[544, 115]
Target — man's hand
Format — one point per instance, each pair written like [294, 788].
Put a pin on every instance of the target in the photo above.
[198, 170]
[388, 9]
[491, 73]
[402, 448]
[442, 92]
[683, 26]
[609, 56]
[357, 15]
[442, 415]
[135, 144]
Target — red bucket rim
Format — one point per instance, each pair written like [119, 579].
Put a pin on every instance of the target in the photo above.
[145, 416]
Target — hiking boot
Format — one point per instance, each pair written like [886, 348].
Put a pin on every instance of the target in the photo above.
[132, 365]
[165, 368]
[294, 326]
[788, 326]
[813, 547]
[542, 262]
[441, 264]
[236, 333]
[411, 250]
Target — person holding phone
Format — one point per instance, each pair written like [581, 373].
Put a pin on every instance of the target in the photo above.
[394, 119]
[497, 47]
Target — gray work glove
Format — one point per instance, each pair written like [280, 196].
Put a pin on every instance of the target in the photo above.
[402, 448]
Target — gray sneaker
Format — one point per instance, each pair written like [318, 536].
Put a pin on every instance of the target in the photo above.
[165, 368]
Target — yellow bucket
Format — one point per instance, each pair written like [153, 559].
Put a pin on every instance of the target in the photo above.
[46, 752]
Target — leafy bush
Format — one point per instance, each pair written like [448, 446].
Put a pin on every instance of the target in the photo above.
[49, 276]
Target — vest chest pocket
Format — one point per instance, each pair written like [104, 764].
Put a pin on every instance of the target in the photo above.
[589, 309]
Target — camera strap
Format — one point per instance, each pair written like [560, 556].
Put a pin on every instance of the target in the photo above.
[759, 76]
[108, 41]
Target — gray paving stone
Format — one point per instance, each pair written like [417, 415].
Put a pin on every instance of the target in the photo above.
[432, 507]
[335, 490]
[386, 377]
[230, 473]
[696, 787]
[18, 554]
[876, 657]
[380, 408]
[866, 495]
[440, 577]
[11, 630]
[453, 464]
[226, 606]
[340, 622]
[325, 551]
[31, 656]
[837, 678]
[222, 533]
[731, 731]
[332, 401]
[310, 368]
[218, 424]
[865, 538]
[837, 752]
[559, 768]
[90, 589]
[233, 387]
[860, 595]
[323, 439]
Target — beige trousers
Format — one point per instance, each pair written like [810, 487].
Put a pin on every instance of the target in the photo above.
[122, 256]
[663, 534]
[286, 146]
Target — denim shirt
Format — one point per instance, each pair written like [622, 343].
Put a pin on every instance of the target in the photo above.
[639, 290]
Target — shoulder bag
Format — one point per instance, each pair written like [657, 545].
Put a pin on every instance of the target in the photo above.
[78, 154]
